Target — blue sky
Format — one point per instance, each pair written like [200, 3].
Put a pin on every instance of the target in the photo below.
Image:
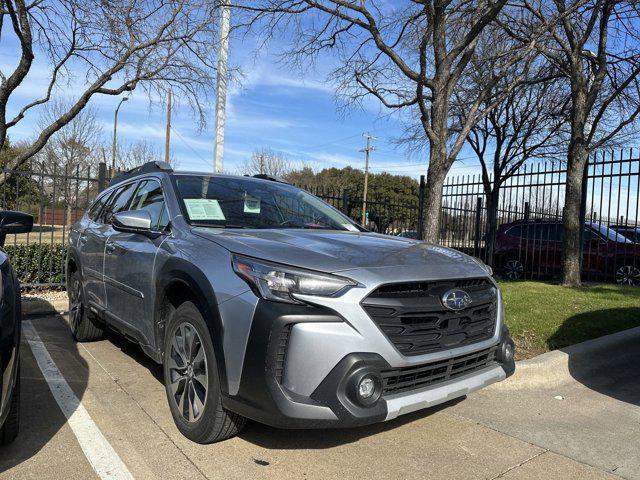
[269, 106]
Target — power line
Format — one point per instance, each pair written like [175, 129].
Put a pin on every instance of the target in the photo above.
[333, 142]
[186, 144]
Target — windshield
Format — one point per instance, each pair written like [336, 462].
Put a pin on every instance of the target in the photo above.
[247, 203]
[610, 234]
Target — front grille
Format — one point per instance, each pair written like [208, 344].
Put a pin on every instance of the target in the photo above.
[281, 352]
[413, 318]
[412, 378]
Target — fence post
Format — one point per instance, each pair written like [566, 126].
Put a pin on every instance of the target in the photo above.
[527, 210]
[345, 202]
[476, 241]
[102, 176]
[583, 208]
[421, 208]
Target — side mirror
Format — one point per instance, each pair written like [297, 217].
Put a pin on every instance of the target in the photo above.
[133, 221]
[14, 222]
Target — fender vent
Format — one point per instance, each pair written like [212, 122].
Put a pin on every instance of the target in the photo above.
[281, 352]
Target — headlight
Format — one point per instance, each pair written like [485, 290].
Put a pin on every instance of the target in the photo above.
[272, 281]
[484, 266]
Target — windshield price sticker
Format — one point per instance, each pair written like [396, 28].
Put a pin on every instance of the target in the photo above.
[204, 209]
[251, 204]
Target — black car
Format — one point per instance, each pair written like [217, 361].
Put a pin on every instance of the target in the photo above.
[10, 319]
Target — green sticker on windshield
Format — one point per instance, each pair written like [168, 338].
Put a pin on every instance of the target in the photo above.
[203, 209]
[251, 204]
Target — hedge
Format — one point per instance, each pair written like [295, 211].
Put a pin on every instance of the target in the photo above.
[38, 263]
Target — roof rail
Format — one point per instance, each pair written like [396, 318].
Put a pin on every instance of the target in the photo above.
[149, 167]
[264, 176]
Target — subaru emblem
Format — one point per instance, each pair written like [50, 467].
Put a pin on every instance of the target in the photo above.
[456, 299]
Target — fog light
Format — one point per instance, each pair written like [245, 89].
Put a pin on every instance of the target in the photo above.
[366, 387]
[508, 352]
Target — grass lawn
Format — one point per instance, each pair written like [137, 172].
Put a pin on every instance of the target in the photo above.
[544, 316]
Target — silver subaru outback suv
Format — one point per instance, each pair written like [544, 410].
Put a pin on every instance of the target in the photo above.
[263, 302]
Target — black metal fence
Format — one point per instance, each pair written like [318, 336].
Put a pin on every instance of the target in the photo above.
[532, 198]
[56, 197]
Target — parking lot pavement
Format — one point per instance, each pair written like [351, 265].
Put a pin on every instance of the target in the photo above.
[122, 393]
[591, 412]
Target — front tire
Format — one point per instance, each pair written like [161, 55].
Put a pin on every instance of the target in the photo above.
[84, 327]
[11, 426]
[513, 269]
[192, 382]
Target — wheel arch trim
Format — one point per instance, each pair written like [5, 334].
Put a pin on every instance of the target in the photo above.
[179, 271]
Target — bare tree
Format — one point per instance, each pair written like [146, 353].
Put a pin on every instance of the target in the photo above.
[526, 123]
[410, 57]
[134, 154]
[75, 146]
[596, 47]
[103, 48]
[68, 154]
[266, 161]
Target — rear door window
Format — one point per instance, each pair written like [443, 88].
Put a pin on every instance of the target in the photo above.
[515, 231]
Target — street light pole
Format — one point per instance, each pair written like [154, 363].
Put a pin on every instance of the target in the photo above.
[115, 135]
[221, 88]
[368, 149]
[167, 138]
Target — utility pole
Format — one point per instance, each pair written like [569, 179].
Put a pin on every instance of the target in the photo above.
[369, 148]
[167, 139]
[115, 136]
[221, 88]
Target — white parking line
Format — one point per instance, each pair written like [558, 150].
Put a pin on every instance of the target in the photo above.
[101, 455]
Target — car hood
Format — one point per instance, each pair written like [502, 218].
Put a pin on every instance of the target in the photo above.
[333, 251]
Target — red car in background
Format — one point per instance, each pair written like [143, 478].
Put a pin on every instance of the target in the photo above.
[529, 248]
[629, 231]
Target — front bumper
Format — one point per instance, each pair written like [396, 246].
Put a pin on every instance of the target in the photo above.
[269, 395]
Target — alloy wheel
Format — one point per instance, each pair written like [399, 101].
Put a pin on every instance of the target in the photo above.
[514, 270]
[628, 275]
[75, 304]
[188, 379]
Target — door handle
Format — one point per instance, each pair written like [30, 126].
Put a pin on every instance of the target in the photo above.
[110, 247]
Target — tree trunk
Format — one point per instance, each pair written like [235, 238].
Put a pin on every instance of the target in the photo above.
[493, 198]
[571, 262]
[436, 175]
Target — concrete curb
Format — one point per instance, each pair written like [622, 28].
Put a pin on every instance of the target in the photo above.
[552, 368]
[42, 306]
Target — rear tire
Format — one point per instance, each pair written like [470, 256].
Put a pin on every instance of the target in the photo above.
[11, 426]
[192, 382]
[628, 274]
[84, 326]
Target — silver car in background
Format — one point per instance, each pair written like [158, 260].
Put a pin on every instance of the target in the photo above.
[263, 302]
